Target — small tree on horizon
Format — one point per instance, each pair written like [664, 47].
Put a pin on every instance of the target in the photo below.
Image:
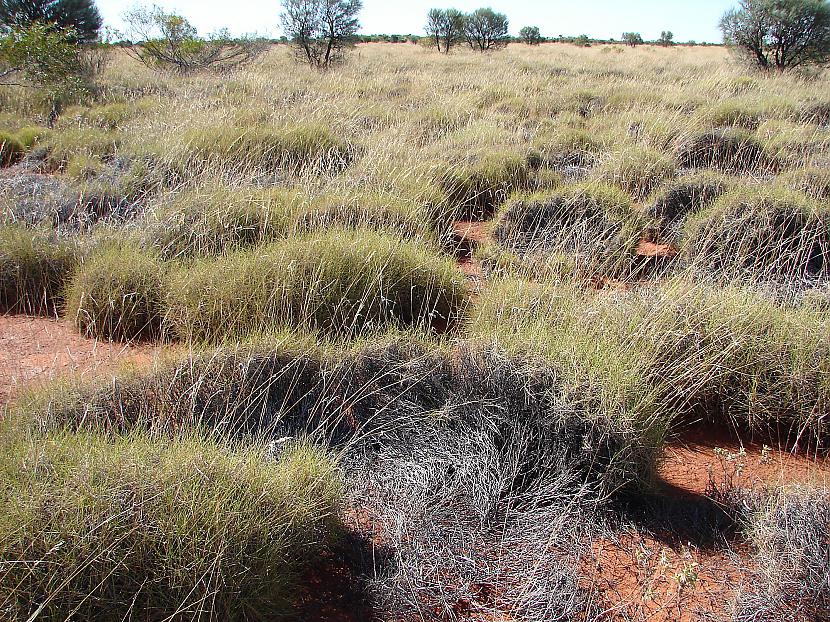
[445, 27]
[321, 30]
[169, 41]
[632, 39]
[486, 30]
[531, 35]
[666, 38]
[780, 34]
[79, 19]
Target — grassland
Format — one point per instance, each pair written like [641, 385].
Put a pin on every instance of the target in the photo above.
[654, 257]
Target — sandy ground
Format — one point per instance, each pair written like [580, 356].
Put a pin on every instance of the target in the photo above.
[38, 349]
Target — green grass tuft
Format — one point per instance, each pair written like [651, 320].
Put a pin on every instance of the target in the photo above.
[339, 281]
[96, 527]
[34, 268]
[117, 294]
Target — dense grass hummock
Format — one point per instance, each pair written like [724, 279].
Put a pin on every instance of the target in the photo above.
[760, 234]
[117, 294]
[341, 281]
[35, 266]
[99, 527]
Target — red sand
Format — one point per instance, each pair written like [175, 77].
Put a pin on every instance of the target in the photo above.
[38, 349]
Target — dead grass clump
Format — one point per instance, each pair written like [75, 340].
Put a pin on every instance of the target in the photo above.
[34, 267]
[727, 149]
[760, 233]
[790, 529]
[117, 294]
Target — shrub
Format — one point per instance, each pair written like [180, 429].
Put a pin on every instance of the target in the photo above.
[215, 220]
[34, 268]
[760, 233]
[474, 190]
[682, 197]
[812, 181]
[638, 170]
[340, 281]
[593, 221]
[116, 294]
[264, 147]
[11, 149]
[95, 527]
[729, 149]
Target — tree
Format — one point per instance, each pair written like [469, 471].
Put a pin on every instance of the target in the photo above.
[77, 18]
[321, 30]
[666, 38]
[582, 41]
[486, 30]
[445, 27]
[435, 20]
[632, 39]
[531, 35]
[169, 41]
[49, 59]
[780, 34]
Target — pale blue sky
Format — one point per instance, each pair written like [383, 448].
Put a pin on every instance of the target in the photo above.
[688, 19]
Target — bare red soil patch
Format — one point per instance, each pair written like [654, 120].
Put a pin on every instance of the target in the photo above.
[468, 235]
[714, 454]
[642, 577]
[652, 249]
[38, 349]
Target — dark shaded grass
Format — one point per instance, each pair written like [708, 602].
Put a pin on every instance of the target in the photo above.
[35, 266]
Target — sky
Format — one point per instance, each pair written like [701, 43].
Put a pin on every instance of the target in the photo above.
[601, 19]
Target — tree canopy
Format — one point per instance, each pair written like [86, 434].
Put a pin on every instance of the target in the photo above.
[320, 30]
[531, 35]
[81, 16]
[780, 34]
